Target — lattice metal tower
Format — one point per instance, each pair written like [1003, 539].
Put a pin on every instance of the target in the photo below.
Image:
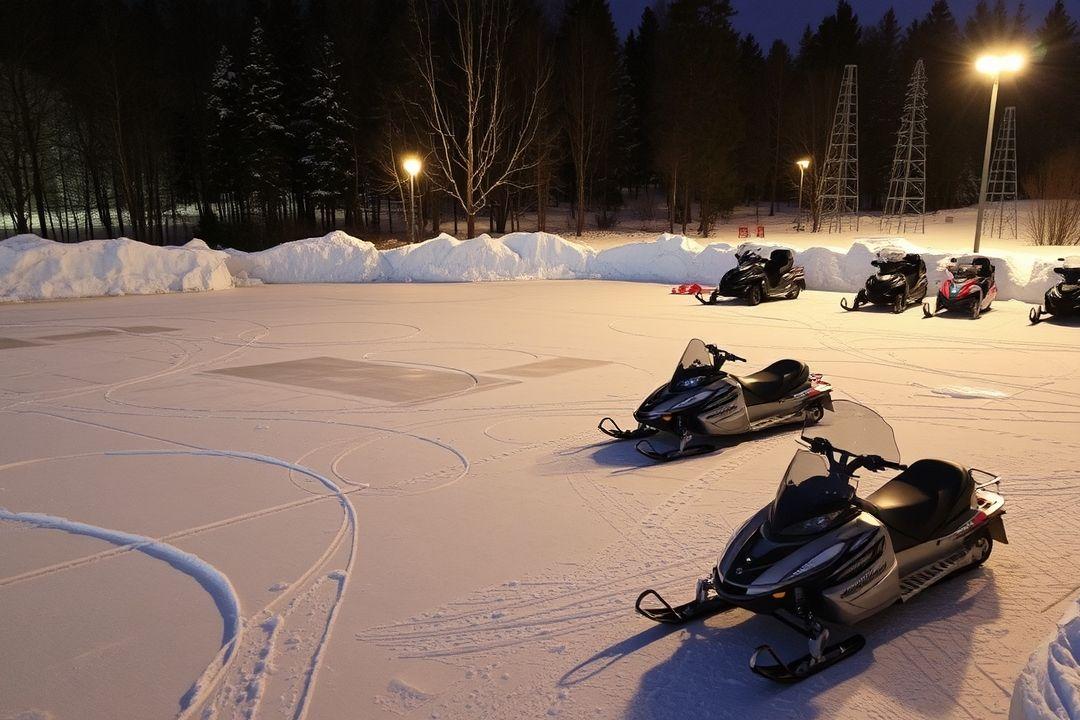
[840, 174]
[905, 209]
[1001, 189]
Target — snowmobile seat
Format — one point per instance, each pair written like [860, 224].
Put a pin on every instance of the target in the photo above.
[984, 268]
[914, 267]
[774, 382]
[779, 262]
[920, 500]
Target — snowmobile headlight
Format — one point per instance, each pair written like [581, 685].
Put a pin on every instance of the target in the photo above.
[817, 561]
[695, 398]
[814, 525]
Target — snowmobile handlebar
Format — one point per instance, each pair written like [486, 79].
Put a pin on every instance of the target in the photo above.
[873, 463]
[723, 355]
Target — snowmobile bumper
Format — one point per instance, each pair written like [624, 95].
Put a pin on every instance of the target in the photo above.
[611, 428]
[705, 604]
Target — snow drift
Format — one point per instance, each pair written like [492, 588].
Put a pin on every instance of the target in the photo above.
[334, 257]
[674, 259]
[1049, 687]
[32, 268]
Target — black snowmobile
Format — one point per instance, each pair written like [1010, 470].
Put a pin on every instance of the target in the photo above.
[819, 555]
[900, 281]
[702, 399]
[1062, 300]
[755, 278]
[969, 286]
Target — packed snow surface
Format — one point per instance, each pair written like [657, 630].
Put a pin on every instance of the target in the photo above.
[1049, 687]
[405, 488]
[32, 268]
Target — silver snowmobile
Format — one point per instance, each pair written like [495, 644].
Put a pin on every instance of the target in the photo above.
[819, 555]
[703, 400]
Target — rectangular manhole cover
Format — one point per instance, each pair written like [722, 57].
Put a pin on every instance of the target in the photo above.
[378, 381]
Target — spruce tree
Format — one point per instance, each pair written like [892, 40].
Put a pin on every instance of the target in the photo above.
[325, 126]
[224, 103]
[264, 137]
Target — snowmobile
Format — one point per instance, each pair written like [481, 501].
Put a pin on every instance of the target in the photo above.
[702, 399]
[1062, 300]
[968, 285]
[900, 281]
[820, 555]
[755, 278]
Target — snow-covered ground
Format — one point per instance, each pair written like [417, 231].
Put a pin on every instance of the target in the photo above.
[401, 491]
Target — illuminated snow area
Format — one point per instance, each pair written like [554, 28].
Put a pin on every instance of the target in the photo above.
[403, 486]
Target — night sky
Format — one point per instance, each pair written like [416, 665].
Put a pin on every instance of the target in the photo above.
[786, 19]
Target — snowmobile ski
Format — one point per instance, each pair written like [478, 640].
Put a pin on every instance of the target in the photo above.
[613, 430]
[681, 614]
[807, 665]
[645, 448]
[712, 298]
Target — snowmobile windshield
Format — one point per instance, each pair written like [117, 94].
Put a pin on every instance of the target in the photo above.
[961, 271]
[892, 267]
[856, 430]
[1070, 269]
[695, 365]
[746, 255]
[815, 494]
[811, 499]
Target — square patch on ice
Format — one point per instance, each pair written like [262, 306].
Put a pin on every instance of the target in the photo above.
[378, 381]
[9, 343]
[145, 329]
[549, 367]
[84, 335]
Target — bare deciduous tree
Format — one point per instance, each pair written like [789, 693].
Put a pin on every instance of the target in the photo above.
[1055, 189]
[479, 144]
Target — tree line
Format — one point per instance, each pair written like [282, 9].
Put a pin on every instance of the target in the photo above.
[248, 122]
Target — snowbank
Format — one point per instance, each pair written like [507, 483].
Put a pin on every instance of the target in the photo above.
[517, 256]
[674, 259]
[1049, 687]
[335, 257]
[32, 268]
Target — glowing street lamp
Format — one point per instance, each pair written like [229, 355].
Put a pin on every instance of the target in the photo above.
[994, 66]
[803, 164]
[412, 165]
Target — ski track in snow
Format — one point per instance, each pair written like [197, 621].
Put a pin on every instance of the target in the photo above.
[210, 578]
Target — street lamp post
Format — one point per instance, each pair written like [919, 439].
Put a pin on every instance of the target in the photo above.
[412, 166]
[803, 164]
[992, 65]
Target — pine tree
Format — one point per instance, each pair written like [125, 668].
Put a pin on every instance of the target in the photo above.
[264, 136]
[325, 126]
[224, 105]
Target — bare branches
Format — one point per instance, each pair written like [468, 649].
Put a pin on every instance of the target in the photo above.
[479, 142]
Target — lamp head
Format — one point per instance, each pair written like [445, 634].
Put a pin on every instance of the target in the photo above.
[804, 163]
[992, 64]
[412, 165]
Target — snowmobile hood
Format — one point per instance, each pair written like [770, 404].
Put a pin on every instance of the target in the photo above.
[664, 401]
[755, 563]
[889, 280]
